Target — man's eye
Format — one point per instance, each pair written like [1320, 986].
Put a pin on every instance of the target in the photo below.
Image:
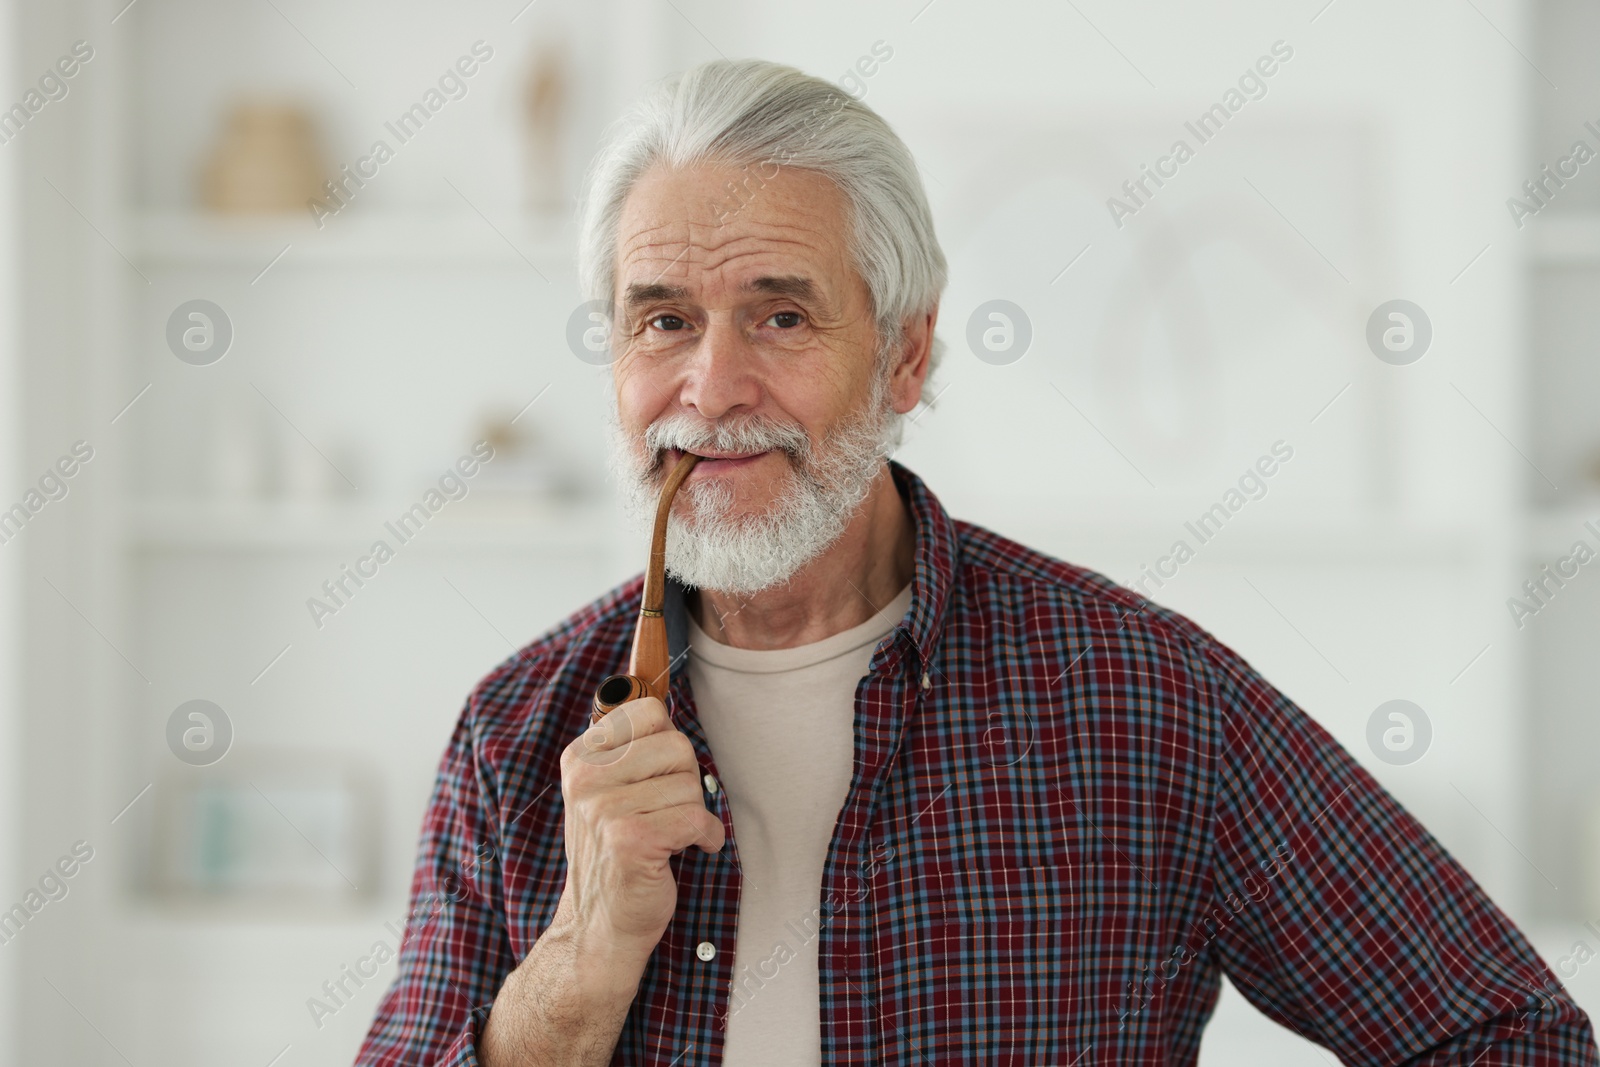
[786, 319]
[668, 322]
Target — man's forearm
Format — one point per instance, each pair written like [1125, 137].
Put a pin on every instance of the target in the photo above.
[1553, 1031]
[564, 1004]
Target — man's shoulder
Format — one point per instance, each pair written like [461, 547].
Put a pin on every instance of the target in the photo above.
[1022, 577]
[1079, 608]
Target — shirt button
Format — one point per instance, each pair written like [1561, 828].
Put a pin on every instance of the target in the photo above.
[705, 950]
[710, 783]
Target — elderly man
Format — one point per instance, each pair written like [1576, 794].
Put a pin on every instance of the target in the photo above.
[918, 794]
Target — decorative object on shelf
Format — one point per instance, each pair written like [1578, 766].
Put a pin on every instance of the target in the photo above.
[525, 464]
[267, 160]
[1591, 471]
[545, 100]
[291, 828]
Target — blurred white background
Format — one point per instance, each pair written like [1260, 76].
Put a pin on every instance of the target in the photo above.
[1228, 312]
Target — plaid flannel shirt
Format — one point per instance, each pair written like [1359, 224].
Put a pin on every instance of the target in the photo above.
[1070, 812]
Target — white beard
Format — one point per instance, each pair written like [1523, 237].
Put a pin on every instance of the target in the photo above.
[709, 549]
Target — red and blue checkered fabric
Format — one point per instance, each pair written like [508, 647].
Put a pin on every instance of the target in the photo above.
[1071, 812]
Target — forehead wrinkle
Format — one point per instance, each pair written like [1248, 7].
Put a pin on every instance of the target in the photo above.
[720, 259]
[642, 241]
[816, 211]
[662, 244]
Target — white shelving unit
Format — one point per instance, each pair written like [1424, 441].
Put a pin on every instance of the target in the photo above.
[187, 595]
[177, 526]
[183, 240]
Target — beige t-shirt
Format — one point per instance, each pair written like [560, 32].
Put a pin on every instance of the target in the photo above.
[781, 726]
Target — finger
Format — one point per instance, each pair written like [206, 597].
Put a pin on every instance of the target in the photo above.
[602, 741]
[666, 791]
[714, 836]
[655, 756]
[687, 824]
[647, 715]
[624, 723]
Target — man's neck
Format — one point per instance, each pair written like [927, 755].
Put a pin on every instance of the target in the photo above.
[853, 580]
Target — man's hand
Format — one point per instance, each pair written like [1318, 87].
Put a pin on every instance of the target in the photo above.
[633, 799]
[631, 789]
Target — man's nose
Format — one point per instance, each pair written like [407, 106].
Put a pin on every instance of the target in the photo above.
[722, 371]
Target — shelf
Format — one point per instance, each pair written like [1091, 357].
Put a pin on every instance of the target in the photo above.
[1337, 542]
[513, 524]
[194, 239]
[1108, 530]
[528, 524]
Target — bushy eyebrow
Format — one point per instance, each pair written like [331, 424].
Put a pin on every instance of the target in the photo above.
[791, 285]
[640, 293]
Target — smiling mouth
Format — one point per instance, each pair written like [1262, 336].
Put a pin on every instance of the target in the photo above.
[712, 462]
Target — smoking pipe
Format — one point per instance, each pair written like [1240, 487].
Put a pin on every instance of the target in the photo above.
[649, 665]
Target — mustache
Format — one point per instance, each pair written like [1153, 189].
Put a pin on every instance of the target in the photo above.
[750, 433]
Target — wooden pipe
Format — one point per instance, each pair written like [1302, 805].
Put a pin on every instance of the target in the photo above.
[649, 664]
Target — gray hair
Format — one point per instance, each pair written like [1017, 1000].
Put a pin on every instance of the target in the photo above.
[762, 116]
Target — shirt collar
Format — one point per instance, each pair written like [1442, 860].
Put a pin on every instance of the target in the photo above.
[934, 567]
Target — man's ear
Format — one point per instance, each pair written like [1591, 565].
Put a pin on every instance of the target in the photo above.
[913, 361]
